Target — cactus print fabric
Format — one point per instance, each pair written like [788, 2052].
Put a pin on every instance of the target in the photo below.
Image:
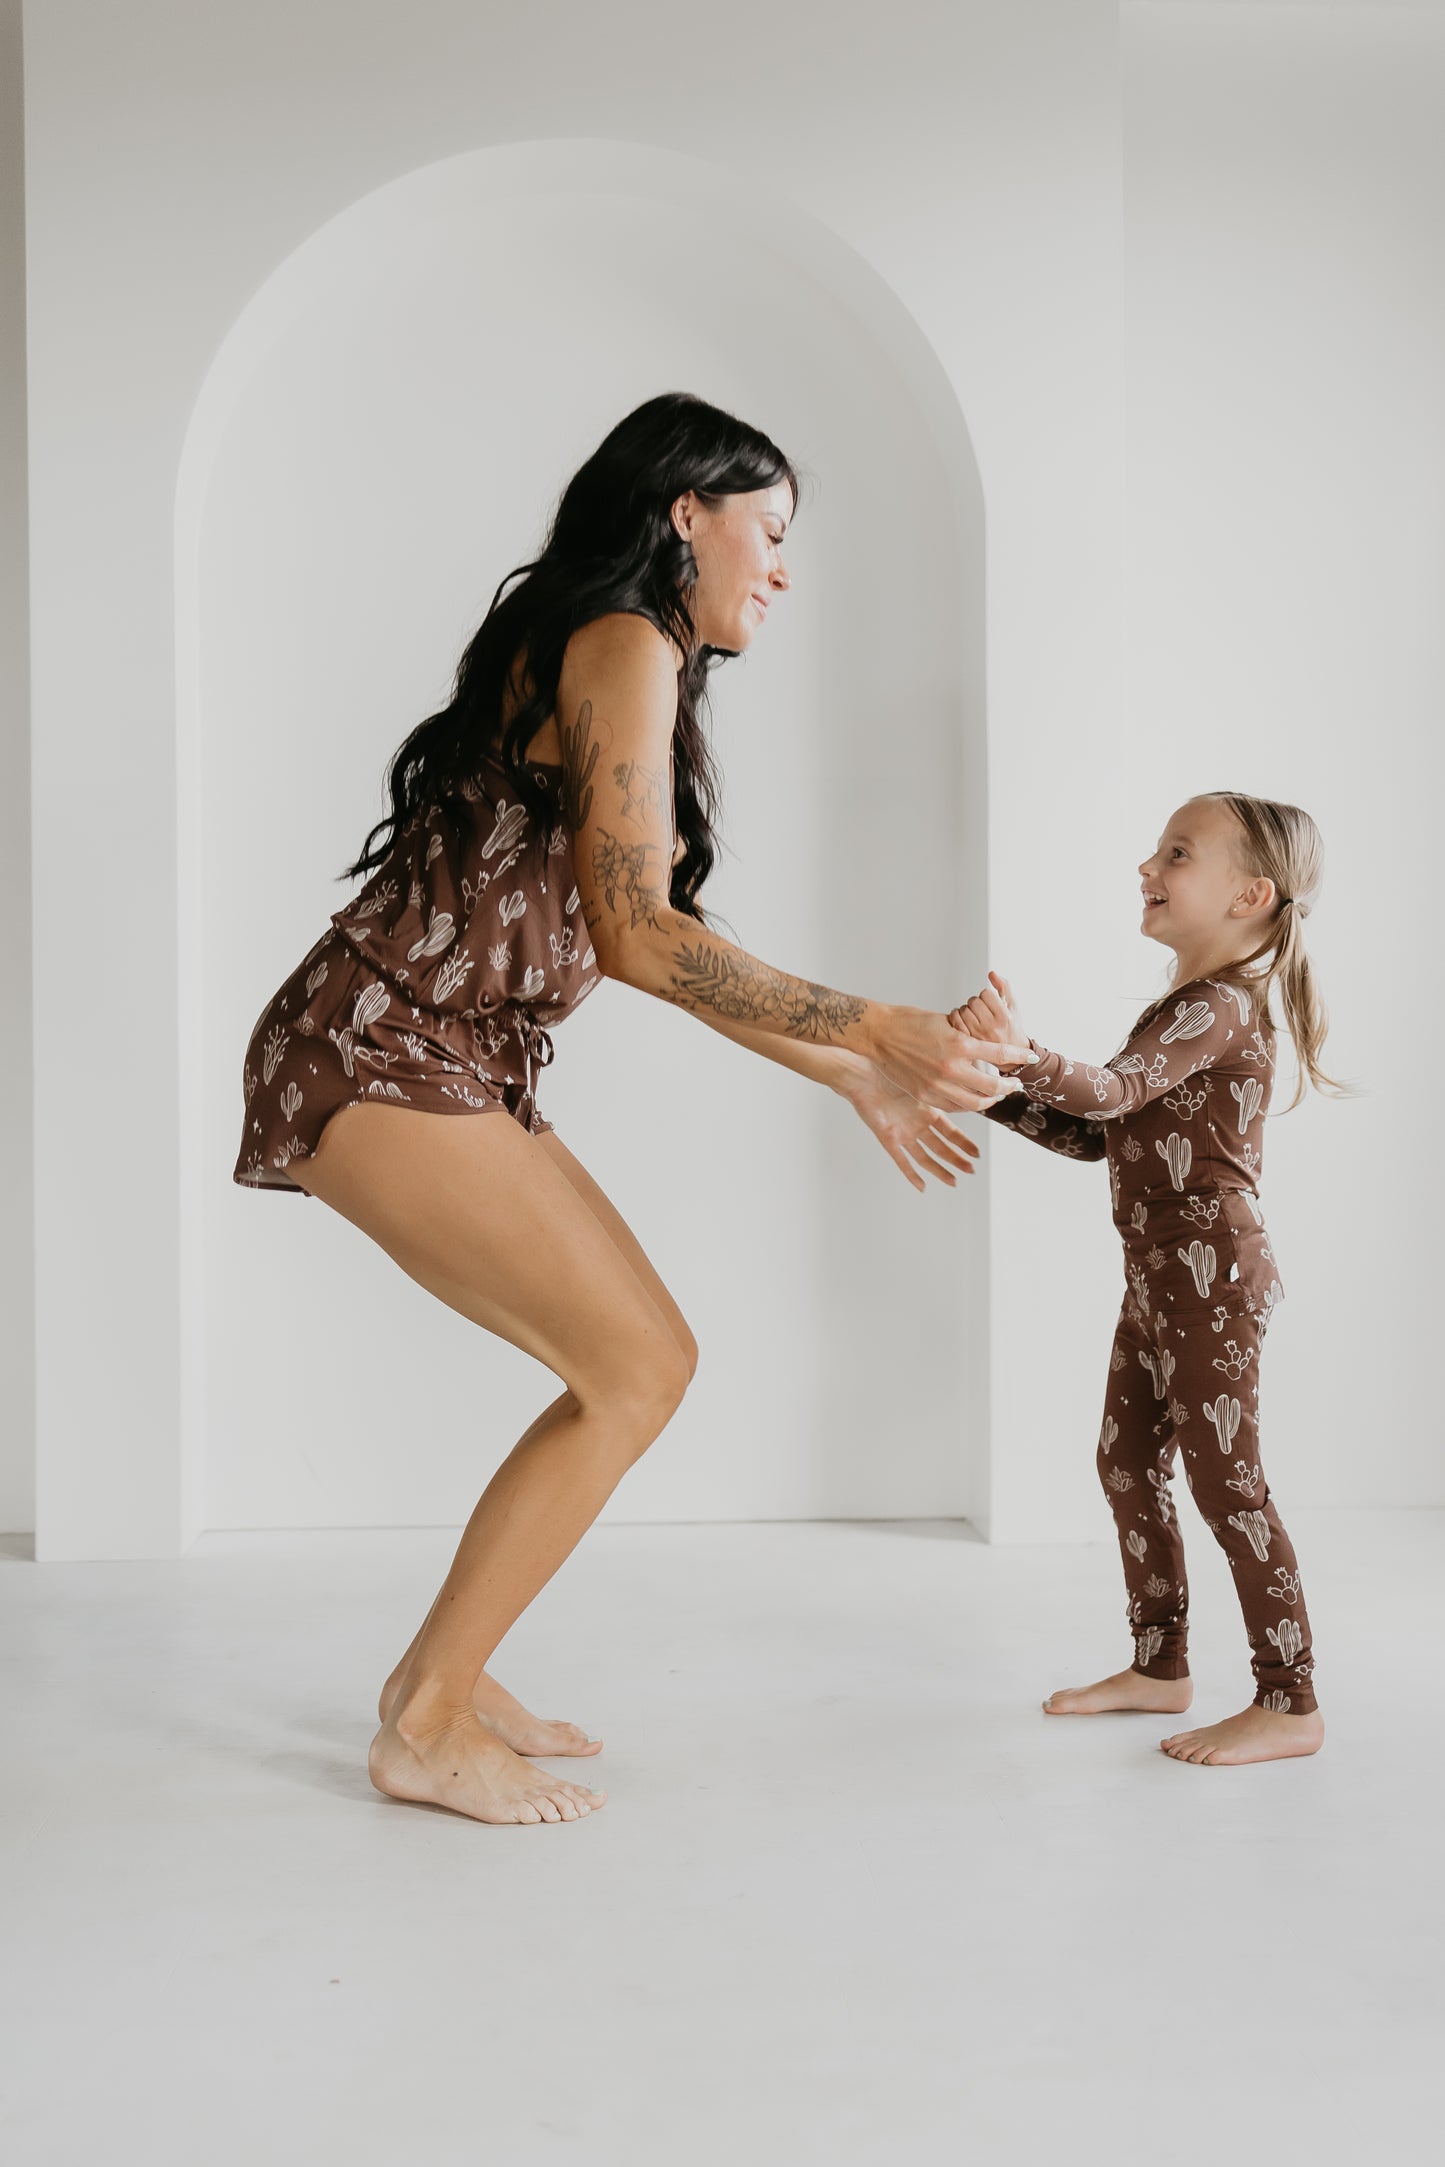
[434, 987]
[1179, 1117]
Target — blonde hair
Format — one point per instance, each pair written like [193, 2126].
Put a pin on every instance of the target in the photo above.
[1282, 844]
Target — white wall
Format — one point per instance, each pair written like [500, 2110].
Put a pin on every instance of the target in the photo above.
[1285, 197]
[1284, 342]
[176, 155]
[17, 1221]
[390, 432]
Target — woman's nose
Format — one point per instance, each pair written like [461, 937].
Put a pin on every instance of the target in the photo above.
[780, 577]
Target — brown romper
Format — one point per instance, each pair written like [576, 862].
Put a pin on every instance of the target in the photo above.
[1179, 1115]
[434, 986]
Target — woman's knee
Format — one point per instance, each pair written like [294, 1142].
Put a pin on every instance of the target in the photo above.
[642, 1388]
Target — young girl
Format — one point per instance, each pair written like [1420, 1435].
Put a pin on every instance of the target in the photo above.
[1179, 1116]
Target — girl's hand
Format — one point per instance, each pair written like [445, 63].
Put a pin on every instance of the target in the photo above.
[912, 1135]
[993, 1014]
[930, 1060]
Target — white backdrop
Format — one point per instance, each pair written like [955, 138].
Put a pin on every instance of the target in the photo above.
[1281, 173]
[407, 403]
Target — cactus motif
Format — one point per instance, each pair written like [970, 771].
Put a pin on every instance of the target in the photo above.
[1277, 1703]
[314, 979]
[1224, 1415]
[511, 822]
[1160, 1482]
[371, 1002]
[1116, 1360]
[1287, 1637]
[290, 1102]
[1178, 1155]
[533, 982]
[1256, 1531]
[1288, 1588]
[1233, 1362]
[434, 849]
[1108, 1435]
[1245, 1479]
[1140, 1286]
[513, 906]
[1178, 1413]
[1201, 1211]
[1135, 1543]
[1186, 1103]
[1199, 1256]
[500, 956]
[1248, 1096]
[1191, 1020]
[272, 1052]
[452, 973]
[1148, 1640]
[564, 948]
[1120, 1479]
[440, 933]
[1150, 1361]
[572, 902]
[1132, 1149]
[1139, 1216]
[1236, 994]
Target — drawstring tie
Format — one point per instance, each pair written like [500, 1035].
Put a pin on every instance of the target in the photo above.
[539, 1050]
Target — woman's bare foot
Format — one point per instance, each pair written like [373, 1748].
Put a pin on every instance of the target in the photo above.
[456, 1762]
[1127, 1689]
[504, 1715]
[1257, 1734]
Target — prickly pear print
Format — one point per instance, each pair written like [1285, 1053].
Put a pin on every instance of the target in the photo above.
[1234, 1361]
[440, 934]
[1178, 1155]
[1249, 1097]
[1186, 1103]
[1199, 1257]
[511, 825]
[1191, 1020]
[1223, 1416]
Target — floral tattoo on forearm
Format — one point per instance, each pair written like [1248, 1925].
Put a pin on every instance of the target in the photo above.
[737, 986]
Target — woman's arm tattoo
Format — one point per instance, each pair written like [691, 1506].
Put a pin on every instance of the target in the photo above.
[739, 987]
[580, 754]
[644, 790]
[623, 866]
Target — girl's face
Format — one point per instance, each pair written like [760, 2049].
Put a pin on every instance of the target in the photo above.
[738, 544]
[1196, 893]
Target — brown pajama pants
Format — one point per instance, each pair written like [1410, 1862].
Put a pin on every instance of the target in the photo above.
[1189, 1384]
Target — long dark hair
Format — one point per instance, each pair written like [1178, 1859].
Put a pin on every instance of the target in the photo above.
[612, 546]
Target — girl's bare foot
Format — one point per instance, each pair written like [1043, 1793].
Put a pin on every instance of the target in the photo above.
[504, 1715]
[1257, 1734]
[456, 1762]
[1127, 1689]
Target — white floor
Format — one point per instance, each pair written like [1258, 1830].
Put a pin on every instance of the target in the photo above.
[854, 1899]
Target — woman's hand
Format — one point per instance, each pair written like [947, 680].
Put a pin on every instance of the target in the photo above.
[993, 1014]
[912, 1135]
[937, 1062]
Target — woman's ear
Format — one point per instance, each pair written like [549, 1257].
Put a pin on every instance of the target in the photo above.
[683, 513]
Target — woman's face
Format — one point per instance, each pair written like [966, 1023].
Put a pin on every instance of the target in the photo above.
[738, 544]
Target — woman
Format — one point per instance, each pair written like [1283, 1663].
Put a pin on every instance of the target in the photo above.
[553, 824]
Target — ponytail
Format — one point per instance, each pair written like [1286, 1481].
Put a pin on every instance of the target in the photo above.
[1282, 844]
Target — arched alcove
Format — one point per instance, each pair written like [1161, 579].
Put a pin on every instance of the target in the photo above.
[377, 442]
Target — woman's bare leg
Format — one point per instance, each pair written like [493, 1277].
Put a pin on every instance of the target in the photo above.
[515, 1725]
[484, 1217]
